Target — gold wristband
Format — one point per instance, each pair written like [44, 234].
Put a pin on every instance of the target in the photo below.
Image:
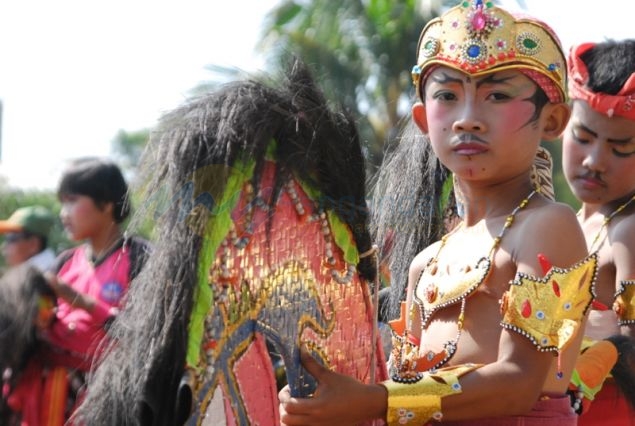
[419, 402]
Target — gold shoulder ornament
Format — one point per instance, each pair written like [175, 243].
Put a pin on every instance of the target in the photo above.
[549, 310]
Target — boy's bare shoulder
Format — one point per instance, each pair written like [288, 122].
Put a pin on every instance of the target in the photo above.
[551, 229]
[624, 228]
[550, 214]
[622, 238]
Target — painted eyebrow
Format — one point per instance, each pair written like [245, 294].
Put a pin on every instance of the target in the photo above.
[490, 79]
[446, 78]
[624, 141]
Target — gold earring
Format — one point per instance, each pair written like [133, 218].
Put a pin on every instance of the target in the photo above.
[541, 173]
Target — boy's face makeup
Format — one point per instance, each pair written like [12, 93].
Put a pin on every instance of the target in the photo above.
[599, 155]
[482, 127]
[81, 217]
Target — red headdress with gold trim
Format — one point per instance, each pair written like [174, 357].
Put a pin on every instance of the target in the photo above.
[621, 104]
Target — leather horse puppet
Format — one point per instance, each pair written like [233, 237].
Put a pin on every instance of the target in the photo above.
[261, 247]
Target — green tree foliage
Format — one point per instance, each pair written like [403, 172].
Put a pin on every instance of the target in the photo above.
[561, 187]
[361, 51]
[127, 147]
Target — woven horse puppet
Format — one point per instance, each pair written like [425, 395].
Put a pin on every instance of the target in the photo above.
[258, 190]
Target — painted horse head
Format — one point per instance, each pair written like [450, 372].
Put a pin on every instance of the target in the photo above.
[258, 196]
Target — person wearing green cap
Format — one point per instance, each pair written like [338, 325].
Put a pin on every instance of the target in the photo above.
[26, 234]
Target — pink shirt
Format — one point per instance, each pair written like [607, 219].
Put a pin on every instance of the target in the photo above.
[77, 332]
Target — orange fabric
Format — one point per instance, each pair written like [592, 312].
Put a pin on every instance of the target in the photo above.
[40, 396]
[54, 397]
[595, 364]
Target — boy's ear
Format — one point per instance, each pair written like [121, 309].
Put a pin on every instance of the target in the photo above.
[556, 121]
[419, 116]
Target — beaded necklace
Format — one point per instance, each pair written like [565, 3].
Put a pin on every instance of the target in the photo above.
[605, 223]
[432, 360]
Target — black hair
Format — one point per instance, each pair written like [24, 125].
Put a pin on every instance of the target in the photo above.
[539, 99]
[44, 242]
[609, 64]
[623, 371]
[42, 239]
[20, 289]
[99, 179]
[407, 215]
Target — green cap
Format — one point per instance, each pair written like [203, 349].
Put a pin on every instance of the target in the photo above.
[36, 220]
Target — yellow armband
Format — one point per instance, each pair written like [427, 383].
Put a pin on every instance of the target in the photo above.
[624, 305]
[420, 401]
[548, 311]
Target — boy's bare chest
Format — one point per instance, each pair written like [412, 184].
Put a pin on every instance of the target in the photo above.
[464, 266]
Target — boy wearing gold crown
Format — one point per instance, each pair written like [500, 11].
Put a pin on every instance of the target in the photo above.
[599, 165]
[489, 331]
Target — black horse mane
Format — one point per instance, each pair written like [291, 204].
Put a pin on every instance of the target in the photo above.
[137, 377]
[624, 369]
[20, 288]
[408, 209]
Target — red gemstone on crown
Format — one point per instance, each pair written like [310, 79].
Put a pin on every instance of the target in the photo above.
[479, 21]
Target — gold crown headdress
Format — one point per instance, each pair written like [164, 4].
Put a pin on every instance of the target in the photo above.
[477, 37]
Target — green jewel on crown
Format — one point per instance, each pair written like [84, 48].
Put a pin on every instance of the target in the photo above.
[528, 44]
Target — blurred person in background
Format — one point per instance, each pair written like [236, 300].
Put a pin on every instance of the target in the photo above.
[26, 233]
[90, 281]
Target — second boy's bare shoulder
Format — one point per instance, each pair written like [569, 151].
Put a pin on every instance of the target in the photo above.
[622, 247]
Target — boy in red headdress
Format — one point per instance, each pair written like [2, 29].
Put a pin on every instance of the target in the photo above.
[599, 164]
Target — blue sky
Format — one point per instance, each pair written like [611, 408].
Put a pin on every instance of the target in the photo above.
[73, 72]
